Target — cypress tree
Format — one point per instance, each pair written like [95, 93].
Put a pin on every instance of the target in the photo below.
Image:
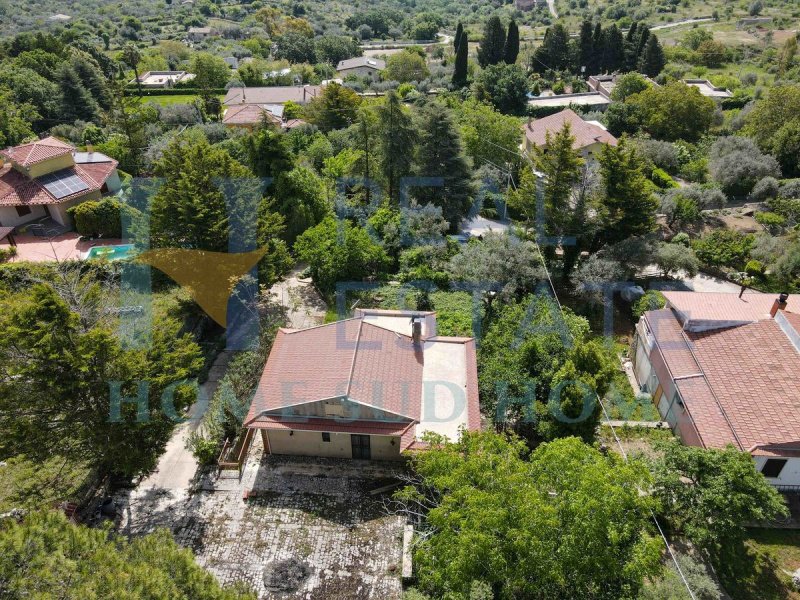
[76, 101]
[460, 69]
[585, 49]
[643, 34]
[512, 43]
[631, 58]
[457, 38]
[397, 139]
[598, 43]
[493, 44]
[441, 155]
[653, 60]
[614, 49]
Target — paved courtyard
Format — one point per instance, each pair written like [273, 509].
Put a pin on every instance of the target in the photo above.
[67, 246]
[312, 530]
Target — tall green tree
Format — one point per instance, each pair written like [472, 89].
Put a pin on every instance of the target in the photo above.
[675, 111]
[211, 71]
[300, 197]
[554, 53]
[130, 118]
[65, 377]
[710, 495]
[397, 142]
[533, 528]
[47, 556]
[338, 251]
[335, 108]
[461, 62]
[489, 136]
[627, 199]
[132, 57]
[512, 43]
[440, 154]
[457, 38]
[561, 165]
[599, 45]
[631, 47]
[493, 44]
[653, 60]
[204, 188]
[504, 86]
[268, 151]
[15, 119]
[76, 101]
[613, 49]
[586, 49]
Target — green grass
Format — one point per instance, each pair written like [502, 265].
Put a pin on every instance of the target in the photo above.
[178, 99]
[763, 571]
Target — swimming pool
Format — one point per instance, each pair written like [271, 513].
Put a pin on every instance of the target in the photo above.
[112, 253]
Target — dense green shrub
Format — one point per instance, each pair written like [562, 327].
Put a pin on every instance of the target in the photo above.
[662, 179]
[7, 253]
[100, 217]
[724, 248]
[652, 300]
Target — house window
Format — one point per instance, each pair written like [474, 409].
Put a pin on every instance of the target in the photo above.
[773, 467]
[326, 437]
[23, 210]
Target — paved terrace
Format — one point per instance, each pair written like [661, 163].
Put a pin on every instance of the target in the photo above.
[66, 246]
[314, 512]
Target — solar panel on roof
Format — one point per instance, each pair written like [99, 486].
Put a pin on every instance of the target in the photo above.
[63, 183]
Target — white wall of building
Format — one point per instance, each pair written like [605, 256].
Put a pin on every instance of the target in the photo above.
[309, 443]
[790, 474]
[10, 218]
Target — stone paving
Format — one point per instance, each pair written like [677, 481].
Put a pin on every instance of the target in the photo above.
[316, 512]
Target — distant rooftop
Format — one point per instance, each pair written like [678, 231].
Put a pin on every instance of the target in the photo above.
[585, 133]
[361, 61]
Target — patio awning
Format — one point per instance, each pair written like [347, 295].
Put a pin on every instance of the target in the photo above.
[5, 232]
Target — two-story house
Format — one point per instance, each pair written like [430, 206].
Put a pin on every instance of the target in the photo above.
[725, 369]
[44, 178]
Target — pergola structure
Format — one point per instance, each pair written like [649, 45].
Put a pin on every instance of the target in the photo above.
[7, 232]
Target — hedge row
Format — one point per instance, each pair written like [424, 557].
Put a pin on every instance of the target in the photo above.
[133, 90]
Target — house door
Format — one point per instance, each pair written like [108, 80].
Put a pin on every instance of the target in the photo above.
[360, 445]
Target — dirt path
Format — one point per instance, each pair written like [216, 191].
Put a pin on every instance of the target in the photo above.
[304, 305]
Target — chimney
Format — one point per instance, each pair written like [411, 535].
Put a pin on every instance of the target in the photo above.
[780, 304]
[416, 330]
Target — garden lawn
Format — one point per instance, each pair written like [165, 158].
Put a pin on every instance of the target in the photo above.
[177, 99]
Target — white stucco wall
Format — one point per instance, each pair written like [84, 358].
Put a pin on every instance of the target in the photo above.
[10, 218]
[309, 443]
[790, 475]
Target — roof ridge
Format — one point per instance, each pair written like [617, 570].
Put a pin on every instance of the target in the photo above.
[353, 363]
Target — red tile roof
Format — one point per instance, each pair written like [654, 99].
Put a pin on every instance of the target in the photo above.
[740, 384]
[585, 133]
[357, 360]
[698, 308]
[248, 114]
[38, 151]
[18, 190]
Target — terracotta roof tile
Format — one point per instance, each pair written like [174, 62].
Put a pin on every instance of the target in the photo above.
[747, 390]
[248, 114]
[38, 151]
[585, 133]
[727, 308]
[357, 360]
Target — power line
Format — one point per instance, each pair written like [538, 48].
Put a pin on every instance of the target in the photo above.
[605, 411]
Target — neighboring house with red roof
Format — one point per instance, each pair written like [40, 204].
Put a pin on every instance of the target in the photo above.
[368, 387]
[46, 177]
[725, 369]
[590, 136]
